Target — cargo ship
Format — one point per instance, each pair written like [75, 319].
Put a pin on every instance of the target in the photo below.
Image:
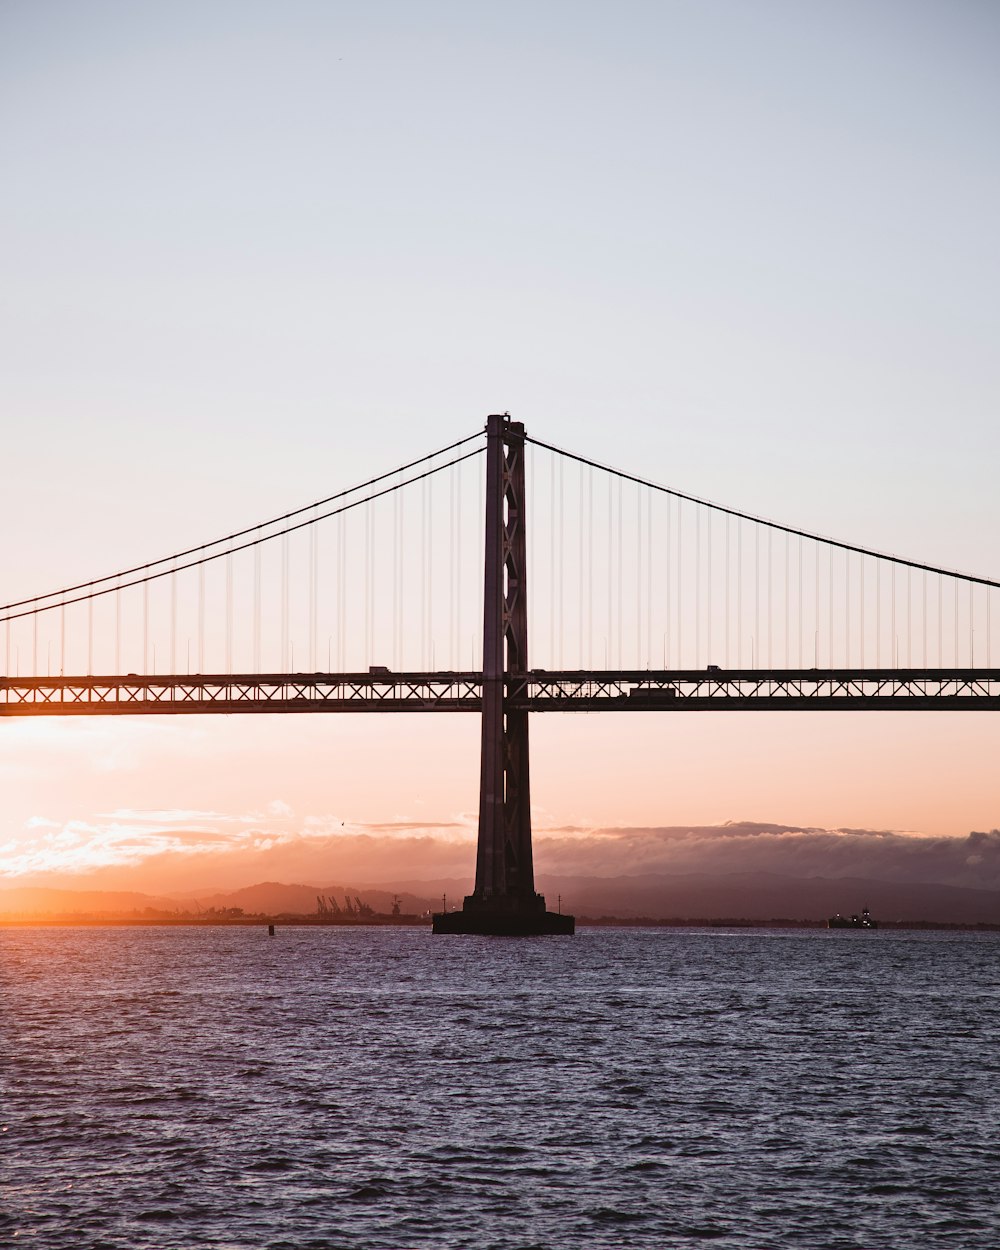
[864, 921]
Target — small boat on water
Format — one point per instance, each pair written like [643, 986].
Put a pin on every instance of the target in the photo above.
[864, 921]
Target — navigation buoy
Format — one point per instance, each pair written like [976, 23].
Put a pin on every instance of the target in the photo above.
[270, 930]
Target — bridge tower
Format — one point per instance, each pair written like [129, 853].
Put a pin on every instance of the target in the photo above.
[504, 901]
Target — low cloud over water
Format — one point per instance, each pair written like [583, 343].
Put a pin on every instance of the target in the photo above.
[751, 846]
[177, 850]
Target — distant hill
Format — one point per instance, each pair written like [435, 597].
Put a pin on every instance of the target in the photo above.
[30, 902]
[678, 896]
[269, 898]
[768, 896]
[275, 898]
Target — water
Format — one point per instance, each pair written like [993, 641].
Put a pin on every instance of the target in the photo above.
[383, 1088]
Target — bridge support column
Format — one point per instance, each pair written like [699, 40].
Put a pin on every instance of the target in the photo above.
[504, 901]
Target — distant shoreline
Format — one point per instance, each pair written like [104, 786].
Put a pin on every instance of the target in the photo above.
[424, 922]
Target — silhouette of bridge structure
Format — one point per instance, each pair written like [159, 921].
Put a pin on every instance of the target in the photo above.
[664, 601]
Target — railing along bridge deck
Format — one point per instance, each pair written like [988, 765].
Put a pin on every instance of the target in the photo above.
[638, 690]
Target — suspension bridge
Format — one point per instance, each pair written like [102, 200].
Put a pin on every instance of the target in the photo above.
[640, 598]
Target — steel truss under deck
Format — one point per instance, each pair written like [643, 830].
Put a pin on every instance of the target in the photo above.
[538, 691]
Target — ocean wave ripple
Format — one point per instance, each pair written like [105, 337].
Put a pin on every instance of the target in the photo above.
[347, 1088]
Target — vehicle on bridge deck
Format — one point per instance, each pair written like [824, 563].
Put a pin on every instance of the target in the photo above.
[652, 693]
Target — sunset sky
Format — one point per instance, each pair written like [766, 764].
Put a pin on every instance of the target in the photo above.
[253, 253]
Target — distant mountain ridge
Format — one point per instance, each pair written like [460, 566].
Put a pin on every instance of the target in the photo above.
[34, 901]
[267, 898]
[276, 898]
[769, 896]
[675, 896]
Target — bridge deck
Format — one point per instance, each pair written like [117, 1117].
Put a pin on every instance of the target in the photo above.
[539, 691]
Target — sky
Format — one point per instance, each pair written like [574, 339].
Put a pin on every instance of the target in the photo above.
[251, 253]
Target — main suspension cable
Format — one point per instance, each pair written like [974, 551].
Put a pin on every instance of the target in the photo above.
[203, 560]
[758, 520]
[250, 529]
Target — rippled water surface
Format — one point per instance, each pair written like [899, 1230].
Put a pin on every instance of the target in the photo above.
[385, 1088]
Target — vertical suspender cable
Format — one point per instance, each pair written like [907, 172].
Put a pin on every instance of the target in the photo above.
[847, 609]
[739, 592]
[552, 560]
[800, 604]
[282, 608]
[770, 596]
[893, 648]
[830, 606]
[697, 586]
[368, 570]
[90, 639]
[638, 576]
[338, 579]
[423, 575]
[940, 616]
[909, 614]
[451, 568]
[256, 607]
[430, 571]
[580, 568]
[342, 595]
[372, 586]
[590, 567]
[620, 562]
[561, 536]
[972, 632]
[145, 628]
[923, 618]
[787, 592]
[862, 610]
[680, 583]
[395, 578]
[607, 641]
[726, 604]
[459, 530]
[755, 640]
[229, 612]
[316, 535]
[118, 629]
[816, 563]
[62, 640]
[173, 619]
[312, 594]
[649, 580]
[401, 653]
[667, 655]
[284, 603]
[878, 613]
[201, 618]
[708, 585]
